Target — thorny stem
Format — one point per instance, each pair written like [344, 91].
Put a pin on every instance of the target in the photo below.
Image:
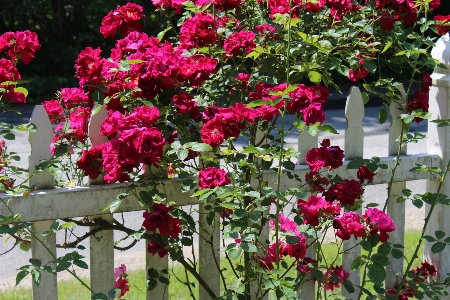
[427, 219]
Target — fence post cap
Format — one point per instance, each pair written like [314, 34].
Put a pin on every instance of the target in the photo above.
[441, 50]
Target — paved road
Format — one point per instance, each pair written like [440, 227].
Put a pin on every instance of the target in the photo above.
[375, 145]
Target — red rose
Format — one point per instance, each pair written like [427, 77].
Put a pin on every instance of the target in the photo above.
[211, 177]
[346, 192]
[365, 174]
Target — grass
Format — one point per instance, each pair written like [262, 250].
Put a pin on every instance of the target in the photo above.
[72, 290]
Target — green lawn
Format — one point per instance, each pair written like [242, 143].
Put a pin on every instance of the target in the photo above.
[72, 290]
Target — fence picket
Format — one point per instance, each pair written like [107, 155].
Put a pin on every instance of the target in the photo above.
[209, 258]
[46, 251]
[439, 143]
[305, 143]
[102, 254]
[396, 210]
[161, 292]
[353, 148]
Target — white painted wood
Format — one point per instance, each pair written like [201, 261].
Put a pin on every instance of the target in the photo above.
[95, 136]
[354, 134]
[396, 125]
[47, 289]
[72, 202]
[308, 289]
[101, 247]
[439, 143]
[161, 292]
[353, 148]
[209, 258]
[305, 143]
[396, 210]
[40, 148]
[263, 239]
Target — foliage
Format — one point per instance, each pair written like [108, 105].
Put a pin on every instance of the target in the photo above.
[179, 103]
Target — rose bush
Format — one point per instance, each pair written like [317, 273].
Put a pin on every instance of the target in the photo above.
[234, 69]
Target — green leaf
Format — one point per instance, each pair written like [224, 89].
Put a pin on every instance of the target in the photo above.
[152, 273]
[113, 205]
[9, 136]
[114, 293]
[248, 247]
[365, 97]
[356, 163]
[438, 247]
[376, 273]
[382, 116]
[35, 262]
[439, 234]
[255, 217]
[384, 248]
[396, 253]
[186, 241]
[380, 259]
[68, 225]
[28, 127]
[429, 238]
[21, 275]
[146, 198]
[182, 153]
[312, 130]
[21, 90]
[99, 296]
[359, 262]
[327, 128]
[292, 240]
[387, 46]
[235, 253]
[417, 203]
[210, 218]
[80, 264]
[163, 280]
[96, 109]
[36, 275]
[151, 284]
[201, 147]
[315, 77]
[349, 286]
[257, 103]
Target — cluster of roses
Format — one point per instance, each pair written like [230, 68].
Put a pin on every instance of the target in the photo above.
[73, 105]
[133, 140]
[19, 45]
[160, 219]
[296, 250]
[421, 98]
[424, 272]
[338, 195]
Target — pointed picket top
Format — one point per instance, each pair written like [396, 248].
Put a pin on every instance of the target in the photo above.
[40, 148]
[354, 134]
[94, 127]
[396, 124]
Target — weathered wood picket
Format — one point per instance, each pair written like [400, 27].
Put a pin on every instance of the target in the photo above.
[48, 204]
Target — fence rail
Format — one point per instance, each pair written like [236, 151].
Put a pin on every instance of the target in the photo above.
[48, 204]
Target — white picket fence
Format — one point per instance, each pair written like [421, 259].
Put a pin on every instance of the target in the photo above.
[47, 204]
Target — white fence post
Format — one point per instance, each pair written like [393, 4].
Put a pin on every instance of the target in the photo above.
[305, 143]
[396, 210]
[40, 150]
[101, 245]
[439, 143]
[353, 148]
